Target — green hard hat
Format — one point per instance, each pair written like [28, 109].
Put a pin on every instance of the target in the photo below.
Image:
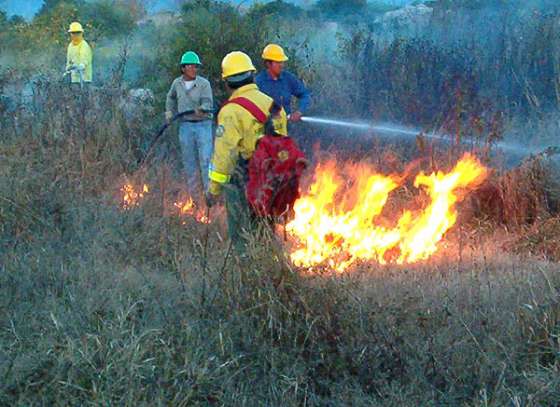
[190, 58]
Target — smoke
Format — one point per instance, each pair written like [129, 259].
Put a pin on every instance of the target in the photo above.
[481, 31]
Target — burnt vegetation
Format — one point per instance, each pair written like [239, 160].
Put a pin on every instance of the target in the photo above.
[144, 307]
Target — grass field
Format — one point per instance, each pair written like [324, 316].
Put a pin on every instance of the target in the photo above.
[100, 306]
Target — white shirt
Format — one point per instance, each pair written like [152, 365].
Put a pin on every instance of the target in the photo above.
[188, 85]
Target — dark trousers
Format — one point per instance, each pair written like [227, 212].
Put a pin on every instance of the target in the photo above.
[240, 220]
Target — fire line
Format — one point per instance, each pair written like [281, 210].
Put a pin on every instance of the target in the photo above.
[339, 232]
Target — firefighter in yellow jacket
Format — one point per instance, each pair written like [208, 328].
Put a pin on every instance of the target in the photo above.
[79, 56]
[236, 137]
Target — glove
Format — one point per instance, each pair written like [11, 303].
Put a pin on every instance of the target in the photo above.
[211, 199]
[69, 69]
[168, 116]
[295, 117]
[214, 188]
[213, 193]
[201, 113]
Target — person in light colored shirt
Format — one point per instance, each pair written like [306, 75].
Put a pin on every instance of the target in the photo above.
[192, 93]
[79, 57]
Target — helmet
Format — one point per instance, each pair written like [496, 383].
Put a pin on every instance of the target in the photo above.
[273, 52]
[76, 27]
[190, 58]
[236, 62]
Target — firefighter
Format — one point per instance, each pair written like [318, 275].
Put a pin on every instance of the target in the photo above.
[280, 84]
[79, 56]
[237, 133]
[192, 92]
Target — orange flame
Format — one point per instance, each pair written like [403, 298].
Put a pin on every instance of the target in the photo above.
[185, 208]
[188, 208]
[339, 234]
[131, 197]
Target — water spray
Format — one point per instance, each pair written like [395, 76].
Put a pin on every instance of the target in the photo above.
[385, 128]
[361, 126]
[512, 149]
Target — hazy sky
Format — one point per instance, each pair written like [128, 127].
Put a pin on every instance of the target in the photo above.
[27, 8]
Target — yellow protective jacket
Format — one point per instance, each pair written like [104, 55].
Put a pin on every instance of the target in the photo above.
[80, 54]
[237, 134]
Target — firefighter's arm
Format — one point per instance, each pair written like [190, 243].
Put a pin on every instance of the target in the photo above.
[171, 100]
[280, 122]
[69, 61]
[87, 57]
[226, 151]
[206, 99]
[302, 93]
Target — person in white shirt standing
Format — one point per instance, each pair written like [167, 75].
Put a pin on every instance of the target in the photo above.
[193, 93]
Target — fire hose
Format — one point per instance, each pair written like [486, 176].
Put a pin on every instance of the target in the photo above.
[76, 68]
[143, 160]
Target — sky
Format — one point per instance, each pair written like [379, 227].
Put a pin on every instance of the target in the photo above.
[27, 8]
[24, 8]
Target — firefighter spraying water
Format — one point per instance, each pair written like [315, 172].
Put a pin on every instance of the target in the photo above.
[259, 176]
[257, 167]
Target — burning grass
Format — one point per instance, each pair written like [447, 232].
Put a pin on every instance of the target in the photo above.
[341, 226]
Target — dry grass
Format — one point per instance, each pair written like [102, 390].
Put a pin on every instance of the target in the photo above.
[141, 307]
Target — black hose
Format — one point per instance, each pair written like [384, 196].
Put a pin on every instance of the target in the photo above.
[142, 161]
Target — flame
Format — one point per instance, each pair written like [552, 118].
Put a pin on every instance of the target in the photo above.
[185, 208]
[340, 232]
[188, 208]
[132, 197]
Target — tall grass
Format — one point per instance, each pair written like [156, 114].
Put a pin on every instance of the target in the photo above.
[105, 306]
[100, 305]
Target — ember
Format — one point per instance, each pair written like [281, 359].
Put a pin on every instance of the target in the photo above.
[131, 196]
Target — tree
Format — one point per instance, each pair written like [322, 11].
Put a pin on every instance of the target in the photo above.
[136, 8]
[339, 8]
[277, 8]
[17, 20]
[109, 18]
[50, 5]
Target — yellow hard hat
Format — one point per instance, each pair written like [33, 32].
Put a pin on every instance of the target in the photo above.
[76, 27]
[236, 62]
[273, 52]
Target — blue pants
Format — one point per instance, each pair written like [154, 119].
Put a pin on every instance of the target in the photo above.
[196, 149]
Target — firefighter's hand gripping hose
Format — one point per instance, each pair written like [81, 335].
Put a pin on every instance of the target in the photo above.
[168, 122]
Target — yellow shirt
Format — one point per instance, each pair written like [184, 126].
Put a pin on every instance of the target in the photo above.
[80, 54]
[238, 132]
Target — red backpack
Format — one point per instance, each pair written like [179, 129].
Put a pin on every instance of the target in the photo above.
[275, 169]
